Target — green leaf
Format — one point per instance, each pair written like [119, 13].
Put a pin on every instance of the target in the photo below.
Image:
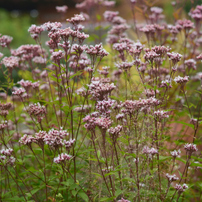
[98, 17]
[90, 159]
[35, 191]
[74, 192]
[196, 164]
[68, 182]
[83, 195]
[76, 74]
[163, 158]
[118, 192]
[107, 199]
[98, 154]
[97, 174]
[184, 123]
[180, 173]
[15, 198]
[98, 27]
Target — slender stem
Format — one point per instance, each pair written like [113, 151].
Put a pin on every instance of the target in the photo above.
[136, 163]
[178, 197]
[186, 100]
[157, 146]
[15, 182]
[45, 175]
[117, 159]
[186, 167]
[166, 192]
[100, 165]
[79, 185]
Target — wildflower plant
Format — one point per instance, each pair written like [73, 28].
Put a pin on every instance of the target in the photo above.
[95, 122]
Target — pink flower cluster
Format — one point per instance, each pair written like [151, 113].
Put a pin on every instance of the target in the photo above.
[132, 106]
[4, 113]
[120, 46]
[39, 138]
[11, 62]
[193, 121]
[6, 157]
[37, 110]
[5, 106]
[57, 55]
[35, 31]
[115, 131]
[160, 114]
[5, 40]
[96, 50]
[107, 170]
[27, 140]
[84, 108]
[69, 143]
[61, 9]
[104, 71]
[118, 28]
[150, 56]
[185, 24]
[190, 147]
[62, 158]
[110, 15]
[54, 138]
[27, 84]
[166, 83]
[123, 200]
[108, 3]
[156, 10]
[156, 14]
[100, 90]
[124, 65]
[78, 18]
[175, 153]
[28, 52]
[3, 125]
[161, 50]
[196, 14]
[39, 60]
[19, 91]
[180, 188]
[172, 178]
[7, 152]
[148, 29]
[174, 29]
[174, 57]
[191, 64]
[88, 4]
[199, 57]
[181, 80]
[52, 26]
[104, 106]
[90, 121]
[103, 123]
[119, 116]
[147, 150]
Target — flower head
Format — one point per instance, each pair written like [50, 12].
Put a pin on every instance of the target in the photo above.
[190, 147]
[181, 80]
[180, 188]
[62, 158]
[61, 9]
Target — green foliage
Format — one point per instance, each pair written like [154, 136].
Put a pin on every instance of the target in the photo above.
[16, 27]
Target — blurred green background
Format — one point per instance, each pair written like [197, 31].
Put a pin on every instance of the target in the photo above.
[16, 16]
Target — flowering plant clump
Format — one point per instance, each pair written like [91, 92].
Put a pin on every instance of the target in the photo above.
[118, 120]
